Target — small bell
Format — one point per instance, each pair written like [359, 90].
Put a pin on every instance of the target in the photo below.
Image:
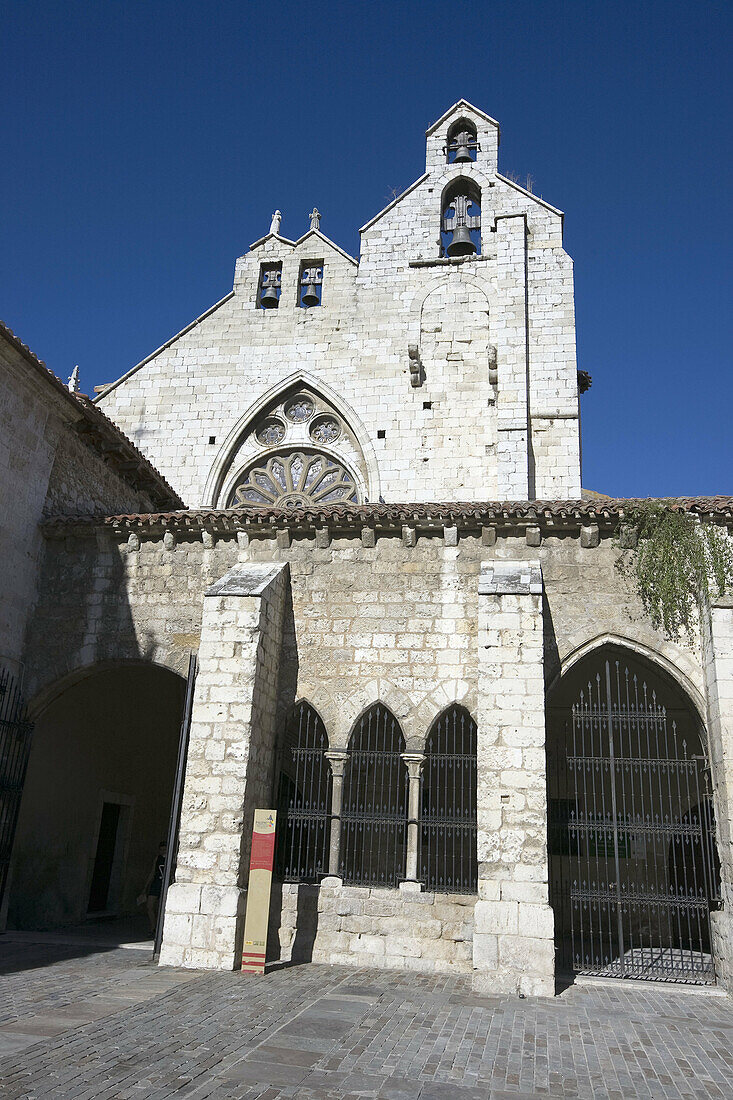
[310, 298]
[462, 147]
[461, 243]
[268, 298]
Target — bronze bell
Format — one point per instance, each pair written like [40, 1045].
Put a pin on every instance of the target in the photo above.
[268, 297]
[463, 152]
[461, 243]
[310, 298]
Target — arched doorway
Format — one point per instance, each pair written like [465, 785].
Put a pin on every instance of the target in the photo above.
[97, 796]
[634, 871]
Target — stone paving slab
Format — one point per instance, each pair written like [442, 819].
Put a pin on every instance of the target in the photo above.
[111, 1026]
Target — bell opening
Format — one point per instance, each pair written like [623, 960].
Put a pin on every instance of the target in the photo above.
[461, 142]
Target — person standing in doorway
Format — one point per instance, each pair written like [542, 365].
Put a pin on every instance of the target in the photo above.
[150, 896]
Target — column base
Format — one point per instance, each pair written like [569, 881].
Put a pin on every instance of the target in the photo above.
[203, 927]
[514, 949]
[721, 927]
[410, 886]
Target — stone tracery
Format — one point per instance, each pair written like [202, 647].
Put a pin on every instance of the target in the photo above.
[299, 450]
[295, 480]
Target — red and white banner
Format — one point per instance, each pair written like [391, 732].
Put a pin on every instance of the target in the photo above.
[258, 892]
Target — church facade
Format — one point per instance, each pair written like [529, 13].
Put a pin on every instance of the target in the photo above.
[411, 634]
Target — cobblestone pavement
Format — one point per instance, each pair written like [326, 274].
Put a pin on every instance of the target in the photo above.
[109, 1024]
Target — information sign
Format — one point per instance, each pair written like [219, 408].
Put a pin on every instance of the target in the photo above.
[258, 892]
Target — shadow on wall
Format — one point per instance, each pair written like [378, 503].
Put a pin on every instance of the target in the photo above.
[306, 928]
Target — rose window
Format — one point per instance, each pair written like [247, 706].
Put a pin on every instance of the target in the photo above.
[270, 432]
[325, 429]
[296, 480]
[300, 409]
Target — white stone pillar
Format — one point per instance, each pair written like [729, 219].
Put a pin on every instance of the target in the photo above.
[414, 762]
[513, 946]
[229, 767]
[718, 654]
[509, 326]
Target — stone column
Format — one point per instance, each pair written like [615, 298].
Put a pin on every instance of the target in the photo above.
[718, 660]
[513, 946]
[510, 331]
[229, 766]
[414, 762]
[337, 760]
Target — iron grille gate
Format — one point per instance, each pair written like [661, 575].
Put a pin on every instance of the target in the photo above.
[448, 822]
[635, 834]
[15, 747]
[374, 812]
[304, 799]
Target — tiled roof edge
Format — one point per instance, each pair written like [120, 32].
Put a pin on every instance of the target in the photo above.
[565, 514]
[99, 428]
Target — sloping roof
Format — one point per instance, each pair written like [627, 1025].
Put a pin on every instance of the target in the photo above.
[98, 431]
[560, 514]
[461, 105]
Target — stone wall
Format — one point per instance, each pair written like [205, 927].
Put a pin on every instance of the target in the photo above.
[478, 426]
[352, 925]
[44, 469]
[229, 766]
[389, 616]
[399, 617]
[81, 484]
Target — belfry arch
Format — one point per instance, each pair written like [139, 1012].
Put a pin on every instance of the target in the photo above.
[634, 867]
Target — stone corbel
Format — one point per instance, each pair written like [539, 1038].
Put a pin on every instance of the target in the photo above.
[493, 373]
[417, 374]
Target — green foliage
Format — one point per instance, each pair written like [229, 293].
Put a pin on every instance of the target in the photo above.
[677, 565]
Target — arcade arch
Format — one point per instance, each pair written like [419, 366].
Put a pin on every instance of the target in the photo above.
[97, 795]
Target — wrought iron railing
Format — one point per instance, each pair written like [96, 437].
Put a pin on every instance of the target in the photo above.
[374, 813]
[448, 821]
[636, 872]
[15, 747]
[304, 799]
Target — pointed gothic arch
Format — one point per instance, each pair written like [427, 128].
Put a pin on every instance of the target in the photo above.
[633, 861]
[373, 846]
[448, 819]
[352, 447]
[303, 797]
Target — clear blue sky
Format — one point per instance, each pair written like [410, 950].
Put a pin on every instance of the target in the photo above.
[146, 144]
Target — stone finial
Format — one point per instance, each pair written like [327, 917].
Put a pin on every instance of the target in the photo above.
[73, 385]
[315, 218]
[275, 223]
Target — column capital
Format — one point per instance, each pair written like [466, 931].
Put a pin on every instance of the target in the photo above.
[337, 759]
[414, 762]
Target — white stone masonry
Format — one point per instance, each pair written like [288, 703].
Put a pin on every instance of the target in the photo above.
[229, 765]
[513, 944]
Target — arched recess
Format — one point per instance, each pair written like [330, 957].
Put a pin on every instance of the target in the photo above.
[448, 826]
[677, 663]
[240, 448]
[374, 808]
[303, 797]
[97, 795]
[634, 868]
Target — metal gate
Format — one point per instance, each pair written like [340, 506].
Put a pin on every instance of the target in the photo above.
[448, 860]
[15, 747]
[635, 871]
[304, 799]
[374, 811]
